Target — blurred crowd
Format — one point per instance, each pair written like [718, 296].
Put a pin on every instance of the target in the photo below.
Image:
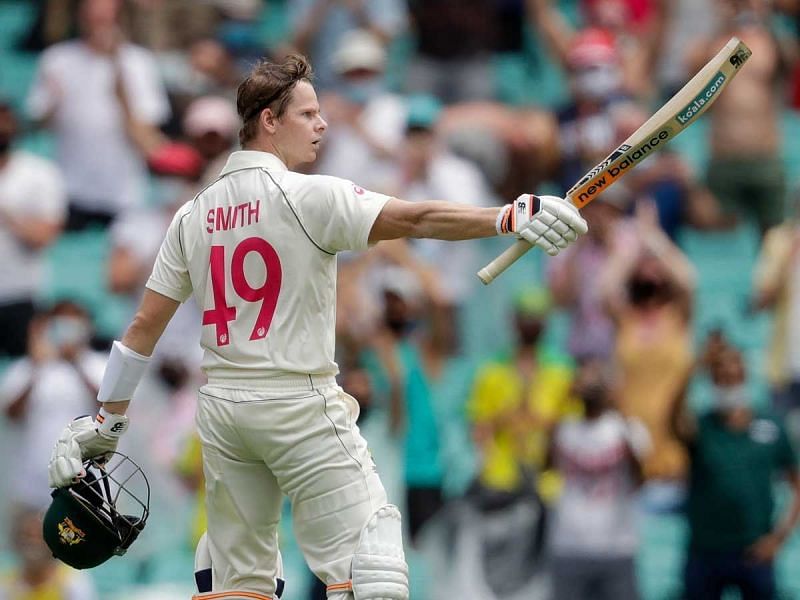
[525, 446]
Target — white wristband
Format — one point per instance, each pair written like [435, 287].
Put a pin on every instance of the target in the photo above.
[111, 425]
[123, 373]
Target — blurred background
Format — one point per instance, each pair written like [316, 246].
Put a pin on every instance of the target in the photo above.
[604, 424]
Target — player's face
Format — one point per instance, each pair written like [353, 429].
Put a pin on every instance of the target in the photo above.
[299, 130]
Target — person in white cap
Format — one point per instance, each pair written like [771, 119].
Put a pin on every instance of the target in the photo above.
[257, 250]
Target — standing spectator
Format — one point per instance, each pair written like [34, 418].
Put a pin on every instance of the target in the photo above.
[735, 452]
[454, 71]
[39, 576]
[32, 210]
[518, 398]
[636, 35]
[648, 290]
[573, 280]
[74, 94]
[776, 287]
[58, 379]
[430, 170]
[366, 121]
[397, 369]
[318, 27]
[595, 535]
[746, 171]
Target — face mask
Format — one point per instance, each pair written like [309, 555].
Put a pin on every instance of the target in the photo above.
[731, 397]
[593, 396]
[597, 83]
[67, 331]
[362, 92]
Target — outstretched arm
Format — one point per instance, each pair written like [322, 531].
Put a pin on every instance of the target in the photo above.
[545, 221]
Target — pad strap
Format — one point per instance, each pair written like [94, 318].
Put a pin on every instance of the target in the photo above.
[123, 372]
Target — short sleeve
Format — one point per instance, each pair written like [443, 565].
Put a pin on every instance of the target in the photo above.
[41, 96]
[170, 276]
[16, 378]
[337, 213]
[50, 193]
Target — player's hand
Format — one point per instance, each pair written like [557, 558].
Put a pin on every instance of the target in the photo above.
[549, 222]
[83, 438]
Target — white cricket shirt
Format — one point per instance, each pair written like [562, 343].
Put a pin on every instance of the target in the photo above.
[257, 248]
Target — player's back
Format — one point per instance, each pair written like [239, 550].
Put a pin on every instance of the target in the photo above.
[259, 245]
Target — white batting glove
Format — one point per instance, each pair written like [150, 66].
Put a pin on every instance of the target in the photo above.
[549, 222]
[83, 438]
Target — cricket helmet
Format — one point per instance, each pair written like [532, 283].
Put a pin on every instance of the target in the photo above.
[100, 516]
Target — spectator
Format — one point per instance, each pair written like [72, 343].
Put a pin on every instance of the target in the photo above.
[776, 281]
[430, 170]
[32, 210]
[366, 121]
[39, 576]
[74, 93]
[735, 451]
[396, 367]
[634, 33]
[745, 172]
[318, 27]
[461, 71]
[573, 279]
[648, 289]
[518, 398]
[58, 379]
[594, 536]
[211, 127]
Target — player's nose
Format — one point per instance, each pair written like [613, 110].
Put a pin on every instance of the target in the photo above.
[322, 124]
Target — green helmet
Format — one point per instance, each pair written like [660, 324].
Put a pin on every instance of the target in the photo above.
[100, 516]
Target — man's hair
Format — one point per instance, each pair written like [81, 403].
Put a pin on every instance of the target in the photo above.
[269, 85]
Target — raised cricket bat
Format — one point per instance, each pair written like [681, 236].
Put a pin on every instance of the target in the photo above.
[677, 114]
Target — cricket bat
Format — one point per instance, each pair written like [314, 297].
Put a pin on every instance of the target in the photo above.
[680, 111]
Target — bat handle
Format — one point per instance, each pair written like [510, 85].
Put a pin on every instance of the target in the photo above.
[488, 273]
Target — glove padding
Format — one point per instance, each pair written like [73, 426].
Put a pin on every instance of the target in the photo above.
[549, 222]
[83, 438]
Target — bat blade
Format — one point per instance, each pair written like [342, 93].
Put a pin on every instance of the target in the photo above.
[678, 113]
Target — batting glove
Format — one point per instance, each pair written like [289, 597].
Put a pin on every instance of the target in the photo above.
[84, 438]
[549, 222]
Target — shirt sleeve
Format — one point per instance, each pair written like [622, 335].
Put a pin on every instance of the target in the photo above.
[41, 97]
[18, 376]
[49, 192]
[170, 276]
[337, 214]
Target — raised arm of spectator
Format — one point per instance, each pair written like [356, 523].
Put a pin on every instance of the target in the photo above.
[771, 274]
[146, 137]
[556, 32]
[681, 422]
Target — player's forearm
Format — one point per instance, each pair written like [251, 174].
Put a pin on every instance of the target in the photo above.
[451, 221]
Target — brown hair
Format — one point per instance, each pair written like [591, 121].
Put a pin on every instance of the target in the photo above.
[269, 85]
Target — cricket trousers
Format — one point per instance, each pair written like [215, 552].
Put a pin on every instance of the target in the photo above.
[293, 435]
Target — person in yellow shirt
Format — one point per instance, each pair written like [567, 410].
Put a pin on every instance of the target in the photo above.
[518, 398]
[39, 576]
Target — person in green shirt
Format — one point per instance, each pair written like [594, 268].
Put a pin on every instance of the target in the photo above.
[735, 452]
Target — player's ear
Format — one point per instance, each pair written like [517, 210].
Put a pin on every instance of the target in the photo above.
[268, 120]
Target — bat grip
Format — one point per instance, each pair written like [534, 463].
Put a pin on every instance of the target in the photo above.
[488, 273]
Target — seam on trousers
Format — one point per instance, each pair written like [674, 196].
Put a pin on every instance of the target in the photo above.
[344, 446]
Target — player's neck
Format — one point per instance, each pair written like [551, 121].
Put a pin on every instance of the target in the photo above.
[261, 145]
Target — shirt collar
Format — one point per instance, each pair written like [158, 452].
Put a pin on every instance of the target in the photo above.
[252, 159]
